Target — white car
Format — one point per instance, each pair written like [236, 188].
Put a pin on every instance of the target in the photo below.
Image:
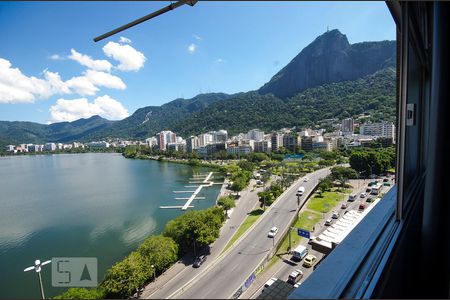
[328, 222]
[305, 179]
[270, 282]
[273, 232]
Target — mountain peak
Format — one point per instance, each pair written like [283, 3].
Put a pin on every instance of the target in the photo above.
[329, 58]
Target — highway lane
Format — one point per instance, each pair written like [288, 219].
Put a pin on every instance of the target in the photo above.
[287, 266]
[227, 275]
[244, 205]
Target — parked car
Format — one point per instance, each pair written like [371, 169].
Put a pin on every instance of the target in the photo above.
[295, 276]
[273, 232]
[309, 260]
[368, 190]
[352, 198]
[344, 205]
[362, 206]
[370, 199]
[385, 180]
[335, 215]
[328, 222]
[363, 195]
[270, 282]
[199, 260]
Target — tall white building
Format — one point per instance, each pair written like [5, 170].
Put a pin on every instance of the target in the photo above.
[219, 136]
[205, 139]
[383, 129]
[255, 134]
[347, 126]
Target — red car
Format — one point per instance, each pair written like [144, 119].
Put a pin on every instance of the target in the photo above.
[362, 206]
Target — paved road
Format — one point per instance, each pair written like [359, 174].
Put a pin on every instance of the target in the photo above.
[282, 269]
[181, 274]
[227, 275]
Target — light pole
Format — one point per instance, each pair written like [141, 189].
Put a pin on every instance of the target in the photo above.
[154, 272]
[37, 267]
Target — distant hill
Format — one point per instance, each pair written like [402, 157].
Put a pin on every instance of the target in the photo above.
[374, 93]
[330, 58]
[328, 78]
[29, 132]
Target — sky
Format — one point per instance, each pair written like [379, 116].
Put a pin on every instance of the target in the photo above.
[51, 70]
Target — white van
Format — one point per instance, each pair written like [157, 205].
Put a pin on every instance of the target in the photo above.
[300, 252]
[300, 191]
[352, 197]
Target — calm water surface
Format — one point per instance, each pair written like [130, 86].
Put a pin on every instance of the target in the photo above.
[93, 205]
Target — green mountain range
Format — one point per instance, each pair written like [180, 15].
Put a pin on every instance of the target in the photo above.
[328, 79]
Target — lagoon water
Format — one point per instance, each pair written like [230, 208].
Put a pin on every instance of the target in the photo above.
[82, 205]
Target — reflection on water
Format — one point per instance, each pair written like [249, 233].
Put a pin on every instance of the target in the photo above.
[93, 205]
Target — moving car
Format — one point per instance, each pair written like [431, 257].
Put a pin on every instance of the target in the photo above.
[363, 195]
[328, 222]
[199, 260]
[270, 282]
[305, 179]
[295, 276]
[344, 206]
[368, 190]
[352, 198]
[309, 261]
[300, 191]
[385, 180]
[273, 231]
[335, 215]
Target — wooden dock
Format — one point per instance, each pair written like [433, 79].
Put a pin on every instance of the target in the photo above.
[203, 180]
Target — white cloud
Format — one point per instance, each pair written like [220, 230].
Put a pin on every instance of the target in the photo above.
[220, 60]
[87, 61]
[105, 79]
[197, 37]
[129, 58]
[82, 85]
[56, 57]
[15, 87]
[192, 48]
[124, 40]
[71, 110]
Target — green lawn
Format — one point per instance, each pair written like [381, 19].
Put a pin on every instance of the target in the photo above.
[251, 218]
[325, 202]
[306, 220]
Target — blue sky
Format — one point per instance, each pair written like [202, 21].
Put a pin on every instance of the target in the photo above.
[51, 70]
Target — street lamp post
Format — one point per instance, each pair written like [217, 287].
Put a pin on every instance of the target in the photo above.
[37, 267]
[154, 273]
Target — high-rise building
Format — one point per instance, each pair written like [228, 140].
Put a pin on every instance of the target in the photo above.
[291, 141]
[307, 142]
[219, 136]
[255, 134]
[347, 126]
[191, 144]
[384, 129]
[50, 147]
[205, 139]
[276, 141]
[263, 146]
[164, 138]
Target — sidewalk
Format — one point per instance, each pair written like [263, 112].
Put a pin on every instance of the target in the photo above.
[183, 269]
